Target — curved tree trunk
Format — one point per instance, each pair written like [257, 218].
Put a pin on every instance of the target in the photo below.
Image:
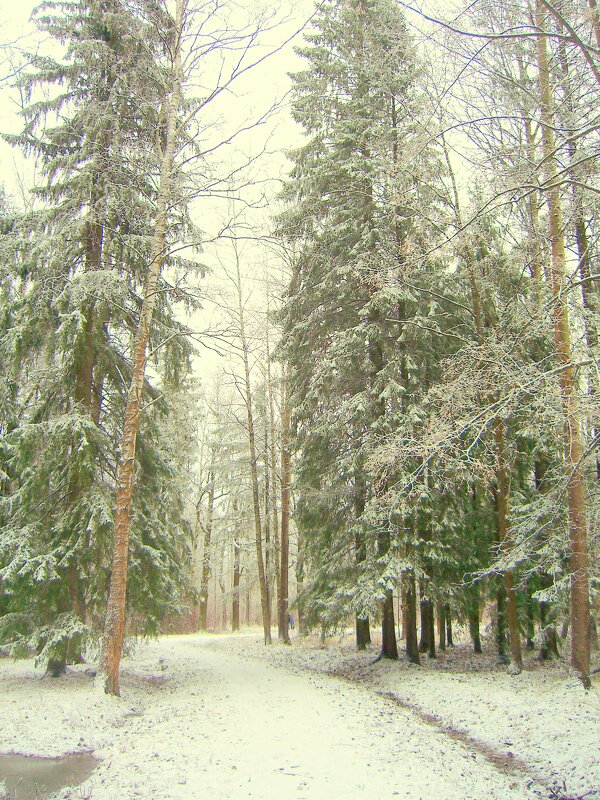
[114, 625]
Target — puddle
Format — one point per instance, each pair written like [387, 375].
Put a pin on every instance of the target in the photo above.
[34, 778]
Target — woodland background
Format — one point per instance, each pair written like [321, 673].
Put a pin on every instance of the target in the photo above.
[373, 366]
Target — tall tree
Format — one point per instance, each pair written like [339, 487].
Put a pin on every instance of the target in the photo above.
[77, 271]
[351, 199]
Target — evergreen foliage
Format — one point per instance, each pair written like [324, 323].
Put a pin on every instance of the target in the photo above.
[92, 120]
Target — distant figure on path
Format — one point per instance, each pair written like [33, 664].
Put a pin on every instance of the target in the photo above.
[291, 621]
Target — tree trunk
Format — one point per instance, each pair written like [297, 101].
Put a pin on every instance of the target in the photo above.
[501, 622]
[595, 20]
[410, 617]
[114, 625]
[362, 627]
[389, 648]
[267, 524]
[286, 488]
[449, 639]
[548, 632]
[363, 632]
[530, 609]
[205, 572]
[235, 604]
[302, 630]
[501, 494]
[265, 601]
[431, 648]
[277, 555]
[474, 629]
[425, 606]
[223, 589]
[589, 294]
[572, 433]
[441, 626]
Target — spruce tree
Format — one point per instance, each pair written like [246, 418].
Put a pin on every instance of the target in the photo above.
[91, 119]
[352, 198]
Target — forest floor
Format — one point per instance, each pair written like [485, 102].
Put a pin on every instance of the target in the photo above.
[223, 717]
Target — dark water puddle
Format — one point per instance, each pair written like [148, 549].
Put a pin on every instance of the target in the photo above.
[34, 778]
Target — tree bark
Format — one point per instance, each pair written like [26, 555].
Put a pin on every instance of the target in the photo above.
[363, 632]
[235, 603]
[389, 647]
[572, 432]
[530, 608]
[441, 621]
[501, 641]
[267, 522]
[114, 626]
[516, 657]
[265, 601]
[205, 572]
[449, 639]
[410, 617]
[425, 605]
[286, 488]
[595, 16]
[474, 629]
[302, 630]
[362, 626]
[275, 488]
[589, 294]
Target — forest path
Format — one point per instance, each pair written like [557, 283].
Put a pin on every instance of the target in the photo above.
[223, 726]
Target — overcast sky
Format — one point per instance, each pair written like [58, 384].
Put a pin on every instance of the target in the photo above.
[264, 86]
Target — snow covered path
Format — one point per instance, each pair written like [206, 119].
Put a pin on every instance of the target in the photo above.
[253, 730]
[195, 721]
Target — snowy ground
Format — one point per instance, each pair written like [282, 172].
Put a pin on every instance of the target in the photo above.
[224, 717]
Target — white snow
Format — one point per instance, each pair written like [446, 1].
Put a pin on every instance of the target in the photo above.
[224, 717]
